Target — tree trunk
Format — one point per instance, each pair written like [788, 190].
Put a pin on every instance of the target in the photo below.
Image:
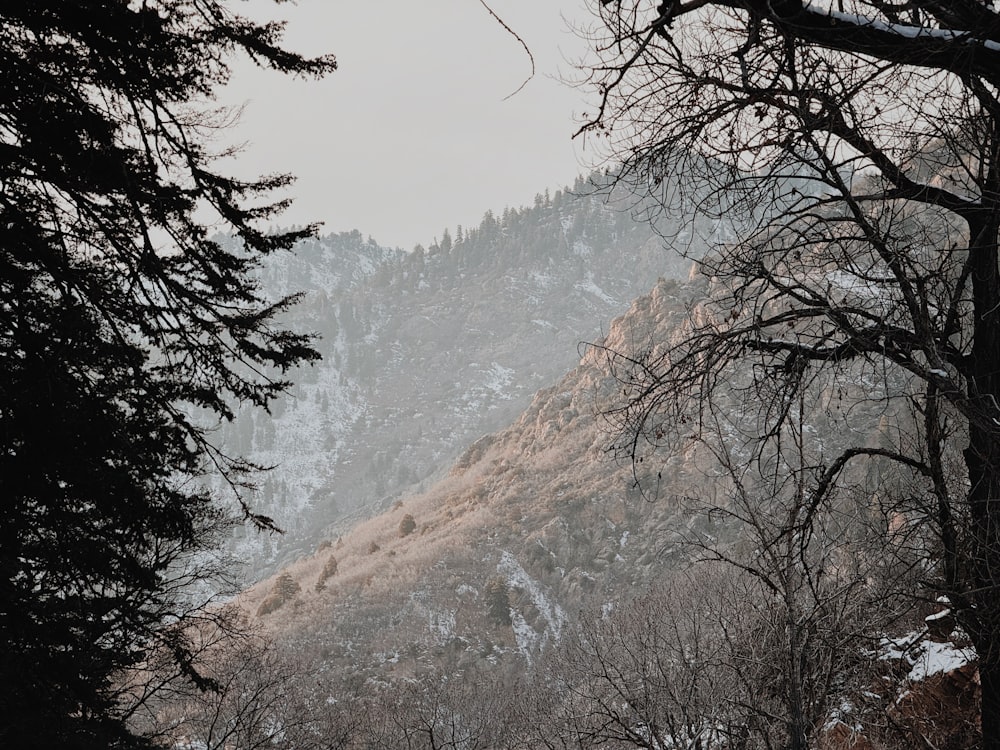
[989, 677]
[982, 622]
[982, 460]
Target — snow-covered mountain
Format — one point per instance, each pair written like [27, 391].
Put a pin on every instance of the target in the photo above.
[530, 524]
[424, 352]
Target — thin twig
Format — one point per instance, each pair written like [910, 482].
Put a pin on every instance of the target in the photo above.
[517, 36]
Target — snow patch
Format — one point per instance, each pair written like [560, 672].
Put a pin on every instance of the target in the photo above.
[841, 715]
[498, 378]
[528, 639]
[591, 288]
[926, 658]
[937, 658]
[524, 635]
[442, 625]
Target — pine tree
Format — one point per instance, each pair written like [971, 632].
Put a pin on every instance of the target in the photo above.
[496, 596]
[329, 570]
[120, 318]
[285, 589]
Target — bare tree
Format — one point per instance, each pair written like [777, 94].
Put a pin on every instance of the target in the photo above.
[645, 675]
[255, 694]
[819, 577]
[858, 146]
[768, 641]
[459, 711]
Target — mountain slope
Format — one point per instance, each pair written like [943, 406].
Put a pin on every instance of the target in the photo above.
[538, 534]
[427, 351]
[532, 522]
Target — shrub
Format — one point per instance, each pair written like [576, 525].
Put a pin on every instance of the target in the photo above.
[406, 525]
[329, 570]
[284, 589]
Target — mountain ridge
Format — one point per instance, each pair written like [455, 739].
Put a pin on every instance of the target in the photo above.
[424, 352]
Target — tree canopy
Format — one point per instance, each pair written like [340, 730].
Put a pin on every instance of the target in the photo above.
[856, 146]
[123, 323]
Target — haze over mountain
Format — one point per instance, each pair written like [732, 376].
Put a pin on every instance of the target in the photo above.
[538, 532]
[424, 352]
[538, 516]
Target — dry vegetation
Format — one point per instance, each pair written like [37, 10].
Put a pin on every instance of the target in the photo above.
[512, 572]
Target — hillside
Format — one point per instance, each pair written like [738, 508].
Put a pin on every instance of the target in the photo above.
[543, 592]
[424, 352]
[532, 525]
[539, 546]
[513, 592]
[540, 508]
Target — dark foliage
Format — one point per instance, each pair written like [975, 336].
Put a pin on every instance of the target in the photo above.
[119, 319]
[496, 596]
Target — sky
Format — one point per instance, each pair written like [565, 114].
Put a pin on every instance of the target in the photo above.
[414, 132]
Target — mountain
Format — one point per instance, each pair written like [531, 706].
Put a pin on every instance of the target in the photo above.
[537, 590]
[531, 523]
[533, 589]
[426, 351]
[539, 547]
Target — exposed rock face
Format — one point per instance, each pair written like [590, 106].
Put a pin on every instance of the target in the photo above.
[538, 521]
[941, 710]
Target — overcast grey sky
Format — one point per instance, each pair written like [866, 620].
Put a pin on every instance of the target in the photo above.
[413, 132]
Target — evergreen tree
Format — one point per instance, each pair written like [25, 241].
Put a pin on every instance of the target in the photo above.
[496, 596]
[119, 319]
[329, 570]
[285, 589]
